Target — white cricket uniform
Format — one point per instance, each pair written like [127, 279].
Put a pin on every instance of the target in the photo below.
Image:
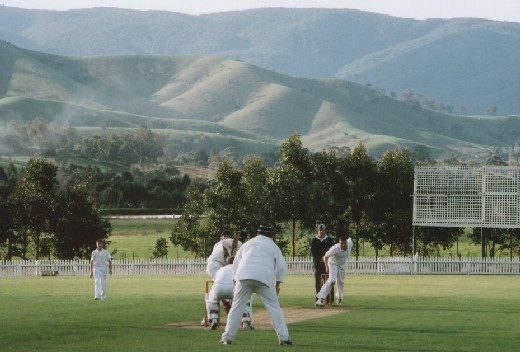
[337, 269]
[217, 258]
[100, 261]
[222, 288]
[258, 264]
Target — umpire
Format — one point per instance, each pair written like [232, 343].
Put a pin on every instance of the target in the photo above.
[319, 246]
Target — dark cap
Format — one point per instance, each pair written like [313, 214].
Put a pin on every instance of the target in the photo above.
[225, 232]
[321, 227]
[265, 230]
[242, 236]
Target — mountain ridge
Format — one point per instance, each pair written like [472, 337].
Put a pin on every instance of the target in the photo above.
[459, 62]
[203, 101]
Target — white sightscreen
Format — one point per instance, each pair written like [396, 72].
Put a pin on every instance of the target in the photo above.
[463, 196]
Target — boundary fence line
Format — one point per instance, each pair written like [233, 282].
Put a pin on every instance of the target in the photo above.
[296, 266]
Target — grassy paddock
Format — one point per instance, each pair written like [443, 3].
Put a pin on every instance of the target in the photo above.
[382, 313]
[136, 238]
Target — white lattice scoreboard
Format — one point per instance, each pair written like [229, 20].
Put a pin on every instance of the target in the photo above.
[463, 196]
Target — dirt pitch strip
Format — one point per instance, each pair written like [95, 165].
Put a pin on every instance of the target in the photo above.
[261, 320]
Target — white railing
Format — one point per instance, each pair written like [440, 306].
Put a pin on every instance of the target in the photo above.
[297, 266]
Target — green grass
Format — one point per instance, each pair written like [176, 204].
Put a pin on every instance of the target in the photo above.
[382, 313]
[136, 238]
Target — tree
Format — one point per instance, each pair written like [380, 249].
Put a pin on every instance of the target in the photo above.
[421, 154]
[225, 200]
[192, 231]
[209, 211]
[513, 245]
[6, 225]
[491, 239]
[330, 188]
[429, 239]
[161, 248]
[361, 172]
[78, 225]
[258, 199]
[34, 202]
[392, 206]
[290, 187]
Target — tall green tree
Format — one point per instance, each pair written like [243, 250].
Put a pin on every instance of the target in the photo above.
[34, 200]
[431, 239]
[6, 225]
[208, 212]
[290, 182]
[393, 205]
[361, 173]
[193, 231]
[78, 224]
[490, 239]
[330, 188]
[225, 200]
[258, 198]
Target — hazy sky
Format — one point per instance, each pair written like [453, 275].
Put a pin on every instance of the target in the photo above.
[499, 10]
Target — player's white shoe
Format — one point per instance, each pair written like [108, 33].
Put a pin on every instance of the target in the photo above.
[319, 303]
[339, 303]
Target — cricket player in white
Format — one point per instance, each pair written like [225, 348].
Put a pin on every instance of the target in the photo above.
[222, 289]
[259, 267]
[221, 250]
[100, 267]
[335, 260]
[217, 259]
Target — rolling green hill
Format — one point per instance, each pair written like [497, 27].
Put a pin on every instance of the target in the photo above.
[202, 101]
[469, 64]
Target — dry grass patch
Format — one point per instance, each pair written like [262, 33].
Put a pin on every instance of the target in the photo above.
[262, 321]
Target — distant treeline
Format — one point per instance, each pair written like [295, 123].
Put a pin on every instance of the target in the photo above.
[140, 211]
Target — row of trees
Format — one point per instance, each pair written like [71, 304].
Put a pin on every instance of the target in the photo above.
[354, 194]
[38, 219]
[48, 210]
[139, 146]
[161, 187]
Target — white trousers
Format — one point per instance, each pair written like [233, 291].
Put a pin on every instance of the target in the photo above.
[219, 292]
[100, 283]
[336, 277]
[243, 291]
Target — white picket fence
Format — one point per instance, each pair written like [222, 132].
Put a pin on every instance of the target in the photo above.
[297, 266]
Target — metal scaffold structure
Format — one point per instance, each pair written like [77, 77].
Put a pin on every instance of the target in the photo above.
[464, 196]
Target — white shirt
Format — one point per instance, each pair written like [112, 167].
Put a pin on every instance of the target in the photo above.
[224, 276]
[217, 254]
[339, 256]
[260, 259]
[100, 258]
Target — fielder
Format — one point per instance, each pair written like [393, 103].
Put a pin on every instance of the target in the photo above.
[335, 260]
[100, 266]
[222, 289]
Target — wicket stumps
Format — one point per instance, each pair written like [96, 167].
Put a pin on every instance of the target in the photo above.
[329, 300]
